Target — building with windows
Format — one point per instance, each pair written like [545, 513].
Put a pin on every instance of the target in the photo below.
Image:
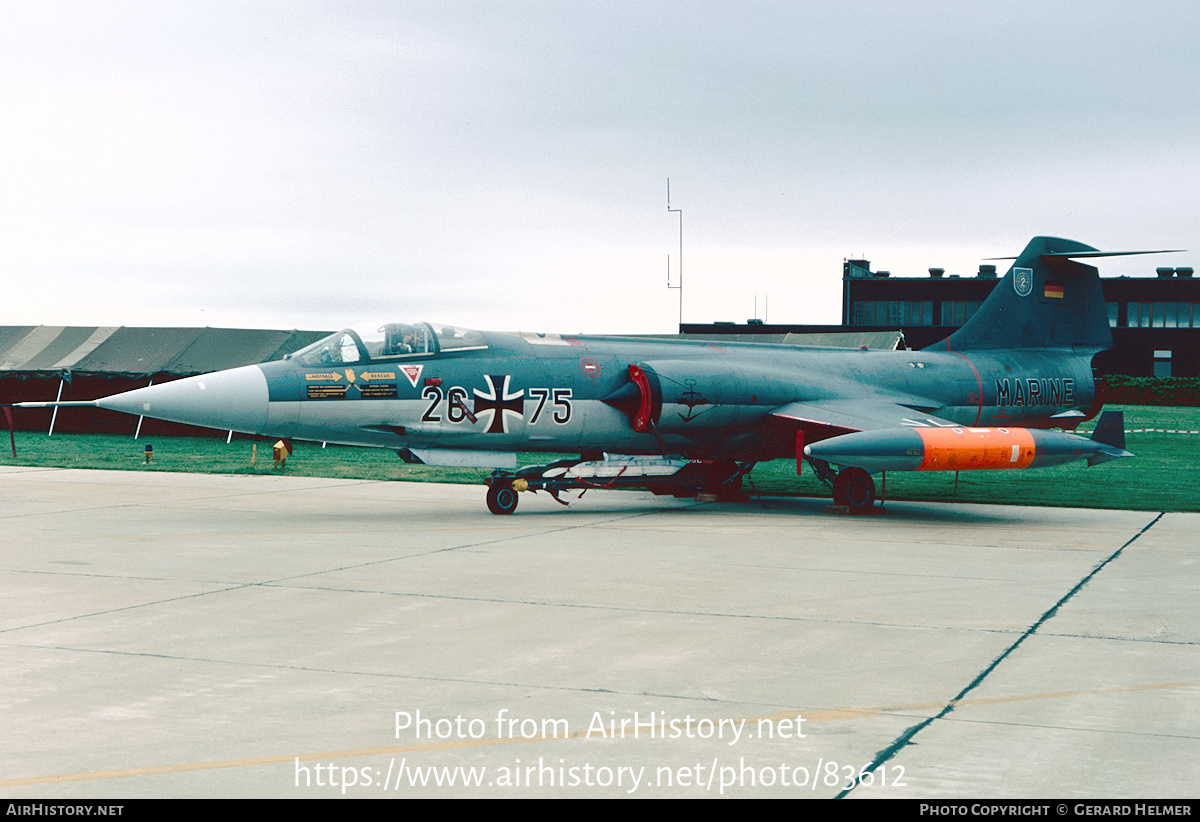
[1155, 319]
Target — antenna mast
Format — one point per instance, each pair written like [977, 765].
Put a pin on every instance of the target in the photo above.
[679, 211]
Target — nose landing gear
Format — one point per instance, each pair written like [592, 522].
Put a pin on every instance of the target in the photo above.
[705, 481]
[501, 498]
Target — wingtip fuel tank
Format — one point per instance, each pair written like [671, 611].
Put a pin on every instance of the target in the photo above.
[960, 448]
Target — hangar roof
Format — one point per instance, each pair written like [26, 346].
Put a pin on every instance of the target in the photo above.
[142, 351]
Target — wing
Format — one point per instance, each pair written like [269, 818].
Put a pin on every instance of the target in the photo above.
[858, 415]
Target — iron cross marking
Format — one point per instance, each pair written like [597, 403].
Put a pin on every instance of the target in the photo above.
[495, 405]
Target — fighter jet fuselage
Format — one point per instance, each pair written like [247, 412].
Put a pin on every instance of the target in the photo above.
[530, 392]
[689, 416]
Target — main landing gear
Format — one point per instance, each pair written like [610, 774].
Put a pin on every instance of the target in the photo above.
[700, 479]
[855, 489]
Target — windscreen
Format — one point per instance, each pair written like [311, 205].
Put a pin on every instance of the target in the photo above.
[384, 341]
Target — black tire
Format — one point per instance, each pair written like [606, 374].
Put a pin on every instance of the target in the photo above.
[854, 488]
[501, 498]
[839, 490]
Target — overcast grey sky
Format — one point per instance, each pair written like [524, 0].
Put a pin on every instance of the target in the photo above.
[504, 164]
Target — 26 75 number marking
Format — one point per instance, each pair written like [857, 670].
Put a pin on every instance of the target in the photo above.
[562, 403]
[456, 409]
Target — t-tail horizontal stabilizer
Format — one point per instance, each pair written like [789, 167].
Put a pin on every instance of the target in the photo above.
[1046, 300]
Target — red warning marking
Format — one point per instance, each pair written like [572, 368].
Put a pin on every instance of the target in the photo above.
[590, 366]
[413, 372]
[575, 342]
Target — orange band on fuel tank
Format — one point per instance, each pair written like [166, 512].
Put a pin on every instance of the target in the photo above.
[974, 449]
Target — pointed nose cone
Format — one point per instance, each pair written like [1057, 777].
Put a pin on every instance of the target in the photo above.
[234, 399]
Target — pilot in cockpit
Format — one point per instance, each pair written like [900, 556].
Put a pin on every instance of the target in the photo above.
[398, 338]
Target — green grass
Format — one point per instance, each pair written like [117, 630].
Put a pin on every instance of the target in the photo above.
[211, 455]
[1162, 477]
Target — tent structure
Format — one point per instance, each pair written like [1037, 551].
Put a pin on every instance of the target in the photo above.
[45, 362]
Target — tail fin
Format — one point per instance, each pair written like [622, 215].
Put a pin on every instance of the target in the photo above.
[1110, 434]
[1045, 300]
[1110, 429]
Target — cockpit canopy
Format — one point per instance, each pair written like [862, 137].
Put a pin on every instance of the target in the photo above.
[371, 342]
